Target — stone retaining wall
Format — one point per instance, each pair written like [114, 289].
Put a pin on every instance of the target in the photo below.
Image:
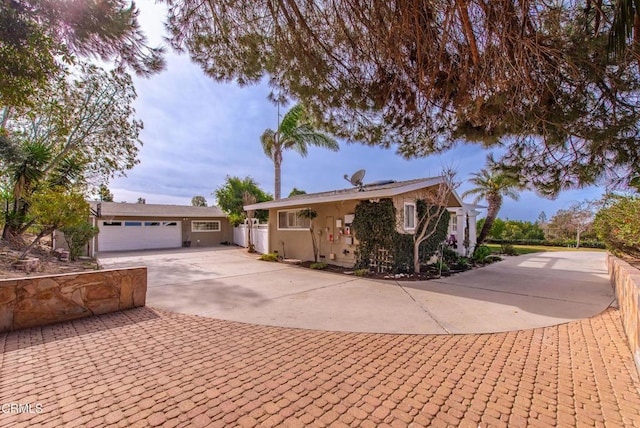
[34, 301]
[626, 283]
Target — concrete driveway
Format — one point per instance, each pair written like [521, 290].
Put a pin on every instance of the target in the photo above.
[521, 292]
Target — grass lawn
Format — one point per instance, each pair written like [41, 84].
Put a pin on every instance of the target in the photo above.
[528, 249]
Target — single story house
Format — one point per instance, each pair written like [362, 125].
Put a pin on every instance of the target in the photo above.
[289, 233]
[126, 226]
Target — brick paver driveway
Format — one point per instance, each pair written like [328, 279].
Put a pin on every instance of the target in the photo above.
[148, 367]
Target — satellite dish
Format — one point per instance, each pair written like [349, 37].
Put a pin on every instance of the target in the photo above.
[356, 178]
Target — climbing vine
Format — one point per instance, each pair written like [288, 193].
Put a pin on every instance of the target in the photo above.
[374, 225]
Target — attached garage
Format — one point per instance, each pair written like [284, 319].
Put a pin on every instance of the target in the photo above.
[139, 235]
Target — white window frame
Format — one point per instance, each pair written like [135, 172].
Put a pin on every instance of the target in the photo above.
[453, 223]
[193, 222]
[404, 216]
[296, 216]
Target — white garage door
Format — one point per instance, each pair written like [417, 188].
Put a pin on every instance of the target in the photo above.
[138, 235]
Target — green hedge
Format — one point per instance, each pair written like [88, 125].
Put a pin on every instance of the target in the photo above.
[549, 242]
[618, 224]
[374, 225]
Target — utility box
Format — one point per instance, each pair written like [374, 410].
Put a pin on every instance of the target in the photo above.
[348, 240]
[348, 219]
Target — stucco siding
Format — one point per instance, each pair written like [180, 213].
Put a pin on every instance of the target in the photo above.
[208, 238]
[333, 239]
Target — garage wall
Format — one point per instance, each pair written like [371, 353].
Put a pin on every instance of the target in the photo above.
[141, 237]
[118, 235]
[207, 238]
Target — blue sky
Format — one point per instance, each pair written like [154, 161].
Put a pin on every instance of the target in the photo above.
[197, 131]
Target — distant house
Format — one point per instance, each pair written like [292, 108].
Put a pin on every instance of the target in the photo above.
[125, 226]
[289, 233]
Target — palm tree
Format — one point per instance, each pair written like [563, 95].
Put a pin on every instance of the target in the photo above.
[294, 132]
[26, 165]
[492, 186]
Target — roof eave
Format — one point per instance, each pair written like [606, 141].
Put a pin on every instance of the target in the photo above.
[355, 196]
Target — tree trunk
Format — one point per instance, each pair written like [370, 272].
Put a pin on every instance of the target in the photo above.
[468, 30]
[6, 234]
[416, 256]
[277, 161]
[35, 241]
[6, 113]
[492, 212]
[5, 230]
[578, 238]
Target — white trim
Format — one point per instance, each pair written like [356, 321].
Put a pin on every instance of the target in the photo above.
[94, 223]
[453, 222]
[193, 222]
[296, 211]
[404, 215]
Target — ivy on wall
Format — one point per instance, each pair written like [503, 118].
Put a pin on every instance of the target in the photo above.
[374, 225]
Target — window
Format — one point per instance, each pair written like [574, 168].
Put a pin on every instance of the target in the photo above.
[453, 223]
[409, 216]
[291, 220]
[169, 223]
[151, 223]
[132, 223]
[112, 223]
[205, 226]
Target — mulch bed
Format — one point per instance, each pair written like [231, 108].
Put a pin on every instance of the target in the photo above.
[422, 276]
[48, 263]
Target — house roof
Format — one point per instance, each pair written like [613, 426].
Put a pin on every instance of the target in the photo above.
[111, 209]
[375, 190]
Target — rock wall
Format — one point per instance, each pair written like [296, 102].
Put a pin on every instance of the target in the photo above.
[626, 282]
[35, 301]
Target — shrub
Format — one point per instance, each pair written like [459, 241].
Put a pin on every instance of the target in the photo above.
[77, 237]
[618, 224]
[549, 242]
[319, 266]
[450, 256]
[481, 253]
[508, 250]
[361, 272]
[269, 257]
[463, 263]
[491, 258]
[441, 266]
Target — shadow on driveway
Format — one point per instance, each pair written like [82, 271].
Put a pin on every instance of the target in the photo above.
[535, 290]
